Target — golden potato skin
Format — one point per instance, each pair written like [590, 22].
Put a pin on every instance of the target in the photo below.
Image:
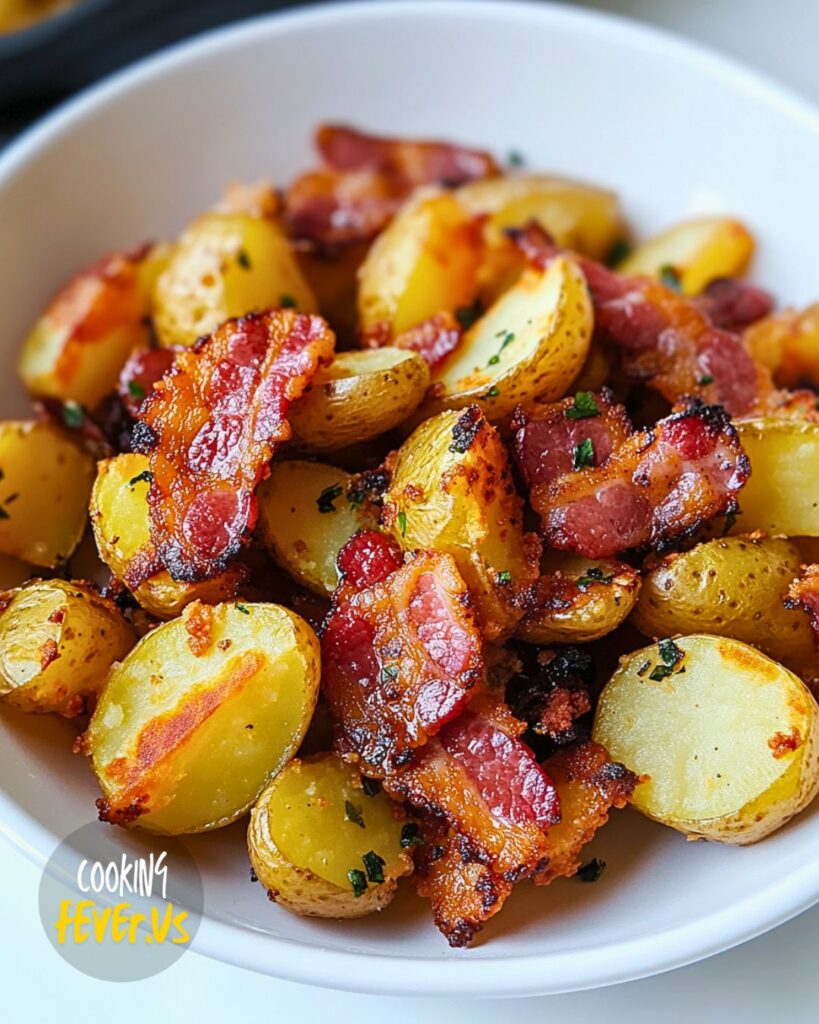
[788, 344]
[46, 480]
[306, 517]
[357, 397]
[726, 739]
[201, 714]
[452, 491]
[226, 264]
[735, 587]
[81, 342]
[303, 841]
[122, 531]
[579, 599]
[58, 640]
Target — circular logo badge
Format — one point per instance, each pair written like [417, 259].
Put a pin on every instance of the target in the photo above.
[120, 905]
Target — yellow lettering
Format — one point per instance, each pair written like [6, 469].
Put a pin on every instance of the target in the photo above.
[64, 920]
[161, 933]
[118, 925]
[135, 920]
[82, 918]
[100, 923]
[177, 923]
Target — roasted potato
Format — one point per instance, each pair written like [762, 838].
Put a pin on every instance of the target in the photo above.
[730, 587]
[228, 263]
[122, 530]
[359, 396]
[57, 642]
[307, 513]
[201, 714]
[782, 496]
[323, 846]
[424, 262]
[81, 342]
[333, 279]
[725, 738]
[788, 344]
[578, 599]
[530, 345]
[695, 252]
[452, 491]
[45, 480]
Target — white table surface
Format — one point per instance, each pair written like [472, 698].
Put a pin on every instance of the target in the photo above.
[774, 977]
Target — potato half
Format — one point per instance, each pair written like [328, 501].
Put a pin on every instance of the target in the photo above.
[122, 530]
[734, 586]
[726, 738]
[45, 480]
[322, 846]
[529, 346]
[201, 714]
[788, 344]
[782, 495]
[357, 397]
[452, 491]
[57, 642]
[698, 251]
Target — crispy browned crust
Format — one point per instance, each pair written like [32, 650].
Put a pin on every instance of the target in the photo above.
[804, 593]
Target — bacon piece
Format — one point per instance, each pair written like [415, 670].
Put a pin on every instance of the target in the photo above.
[732, 304]
[144, 368]
[547, 435]
[659, 484]
[665, 339]
[552, 690]
[804, 593]
[211, 427]
[589, 786]
[369, 557]
[399, 657]
[432, 339]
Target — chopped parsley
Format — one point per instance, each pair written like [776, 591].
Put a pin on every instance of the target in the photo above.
[592, 870]
[287, 302]
[356, 498]
[243, 260]
[402, 523]
[503, 578]
[493, 360]
[584, 407]
[11, 498]
[353, 813]
[357, 881]
[388, 673]
[583, 454]
[619, 249]
[515, 158]
[409, 836]
[145, 475]
[705, 379]
[467, 315]
[241, 608]
[670, 277]
[374, 866]
[730, 523]
[641, 671]
[135, 389]
[327, 497]
[3, 513]
[73, 415]
[253, 876]
[493, 392]
[371, 787]
[671, 655]
[507, 338]
[594, 574]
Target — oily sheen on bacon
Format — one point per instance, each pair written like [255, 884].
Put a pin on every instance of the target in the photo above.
[212, 425]
[659, 484]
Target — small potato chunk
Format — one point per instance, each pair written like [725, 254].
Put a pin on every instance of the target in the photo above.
[732, 587]
[452, 491]
[227, 264]
[201, 714]
[57, 642]
[424, 262]
[79, 345]
[788, 344]
[122, 530]
[579, 599]
[782, 495]
[357, 397]
[697, 251]
[45, 480]
[529, 346]
[726, 739]
[306, 517]
[322, 846]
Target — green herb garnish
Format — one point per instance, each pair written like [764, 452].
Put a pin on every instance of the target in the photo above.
[145, 475]
[515, 158]
[357, 881]
[619, 249]
[243, 260]
[402, 523]
[388, 673]
[374, 866]
[591, 871]
[353, 813]
[670, 277]
[241, 608]
[493, 392]
[355, 498]
[409, 836]
[3, 513]
[287, 302]
[135, 389]
[467, 315]
[671, 656]
[371, 787]
[594, 574]
[583, 407]
[73, 415]
[705, 379]
[327, 497]
[583, 454]
[503, 578]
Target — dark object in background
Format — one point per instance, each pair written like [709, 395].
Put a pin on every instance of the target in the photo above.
[55, 57]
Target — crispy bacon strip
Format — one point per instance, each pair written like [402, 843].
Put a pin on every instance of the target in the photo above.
[732, 304]
[144, 368]
[547, 435]
[666, 340]
[804, 593]
[400, 656]
[659, 484]
[433, 339]
[211, 427]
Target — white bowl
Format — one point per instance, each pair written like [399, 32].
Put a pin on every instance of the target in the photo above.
[675, 130]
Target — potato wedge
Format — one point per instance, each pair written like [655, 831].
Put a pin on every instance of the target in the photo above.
[529, 346]
[452, 491]
[578, 599]
[81, 342]
[424, 262]
[201, 714]
[788, 344]
[122, 531]
[306, 517]
[58, 641]
[333, 278]
[735, 587]
[322, 846]
[225, 265]
[697, 251]
[782, 495]
[357, 397]
[726, 738]
[45, 480]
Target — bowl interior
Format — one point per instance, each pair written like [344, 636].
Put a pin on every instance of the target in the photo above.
[674, 131]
